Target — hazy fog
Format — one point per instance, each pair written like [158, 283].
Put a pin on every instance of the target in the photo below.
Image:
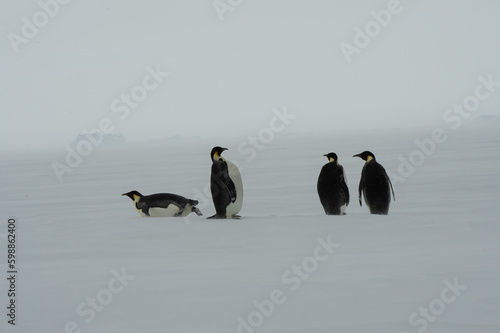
[67, 67]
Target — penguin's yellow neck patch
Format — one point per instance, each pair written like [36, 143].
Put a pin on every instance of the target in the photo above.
[217, 157]
[136, 197]
[369, 158]
[331, 159]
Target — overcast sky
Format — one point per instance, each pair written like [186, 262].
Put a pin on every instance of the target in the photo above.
[228, 68]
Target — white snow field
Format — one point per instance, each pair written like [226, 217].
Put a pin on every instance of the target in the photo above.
[87, 262]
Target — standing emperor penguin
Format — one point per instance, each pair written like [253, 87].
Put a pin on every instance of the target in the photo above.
[332, 187]
[374, 184]
[226, 186]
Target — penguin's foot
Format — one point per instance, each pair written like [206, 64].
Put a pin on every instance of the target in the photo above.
[237, 217]
[179, 213]
[216, 217]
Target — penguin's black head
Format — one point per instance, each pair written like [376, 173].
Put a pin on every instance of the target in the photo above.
[131, 194]
[332, 157]
[366, 155]
[216, 151]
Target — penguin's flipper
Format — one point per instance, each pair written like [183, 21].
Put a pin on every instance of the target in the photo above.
[360, 187]
[389, 180]
[144, 208]
[221, 172]
[229, 183]
[393, 196]
[179, 212]
[230, 186]
[343, 186]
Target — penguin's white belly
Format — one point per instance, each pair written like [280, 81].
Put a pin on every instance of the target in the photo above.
[187, 210]
[342, 209]
[234, 207]
[170, 211]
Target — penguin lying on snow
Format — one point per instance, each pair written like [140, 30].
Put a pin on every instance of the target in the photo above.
[374, 184]
[163, 204]
[332, 187]
[226, 186]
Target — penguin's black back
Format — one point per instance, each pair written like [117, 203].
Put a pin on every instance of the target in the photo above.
[375, 185]
[332, 188]
[222, 187]
[162, 200]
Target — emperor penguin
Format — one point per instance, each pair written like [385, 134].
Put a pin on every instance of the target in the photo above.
[226, 186]
[375, 184]
[163, 205]
[332, 187]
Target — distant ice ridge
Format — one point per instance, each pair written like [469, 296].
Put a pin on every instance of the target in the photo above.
[99, 138]
[492, 118]
[81, 147]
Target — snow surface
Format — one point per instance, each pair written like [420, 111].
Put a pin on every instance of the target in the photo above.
[199, 275]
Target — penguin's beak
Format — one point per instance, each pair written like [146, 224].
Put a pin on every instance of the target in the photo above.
[358, 155]
[223, 149]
